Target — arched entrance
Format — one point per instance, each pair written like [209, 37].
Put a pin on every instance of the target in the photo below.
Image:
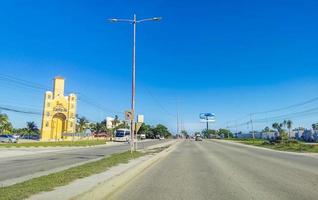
[58, 126]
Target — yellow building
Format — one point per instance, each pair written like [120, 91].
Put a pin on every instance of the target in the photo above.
[58, 118]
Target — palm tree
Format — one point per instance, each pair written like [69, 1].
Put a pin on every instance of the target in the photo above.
[276, 126]
[82, 122]
[115, 121]
[32, 127]
[289, 126]
[5, 125]
[314, 126]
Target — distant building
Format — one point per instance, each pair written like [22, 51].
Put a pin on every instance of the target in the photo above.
[59, 113]
[109, 122]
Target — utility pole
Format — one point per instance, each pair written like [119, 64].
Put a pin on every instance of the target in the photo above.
[207, 125]
[178, 116]
[177, 122]
[251, 121]
[227, 127]
[134, 21]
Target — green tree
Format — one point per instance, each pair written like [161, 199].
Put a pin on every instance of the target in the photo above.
[20, 131]
[161, 130]
[116, 121]
[5, 125]
[206, 133]
[314, 126]
[281, 131]
[147, 130]
[277, 126]
[32, 128]
[82, 123]
[122, 125]
[289, 124]
[225, 132]
[266, 129]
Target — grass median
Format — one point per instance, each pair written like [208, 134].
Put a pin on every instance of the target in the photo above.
[294, 146]
[55, 144]
[49, 182]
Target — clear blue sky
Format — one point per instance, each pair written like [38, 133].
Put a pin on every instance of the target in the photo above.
[227, 57]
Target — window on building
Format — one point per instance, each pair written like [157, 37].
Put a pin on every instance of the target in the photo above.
[47, 113]
[71, 124]
[48, 104]
[47, 124]
[49, 96]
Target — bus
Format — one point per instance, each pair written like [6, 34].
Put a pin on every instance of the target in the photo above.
[122, 135]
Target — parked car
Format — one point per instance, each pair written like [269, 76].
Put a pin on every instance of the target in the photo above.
[30, 137]
[8, 139]
[142, 136]
[16, 136]
[161, 138]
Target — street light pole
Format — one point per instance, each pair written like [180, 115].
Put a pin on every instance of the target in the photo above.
[133, 90]
[134, 21]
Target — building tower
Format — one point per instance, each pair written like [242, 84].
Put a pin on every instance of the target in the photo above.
[59, 111]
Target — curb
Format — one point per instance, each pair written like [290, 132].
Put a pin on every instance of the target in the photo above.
[107, 188]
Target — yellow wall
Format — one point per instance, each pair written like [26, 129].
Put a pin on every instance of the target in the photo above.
[58, 113]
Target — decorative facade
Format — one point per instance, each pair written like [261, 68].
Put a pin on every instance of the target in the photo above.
[59, 113]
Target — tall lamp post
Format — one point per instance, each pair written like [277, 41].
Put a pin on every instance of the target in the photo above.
[134, 22]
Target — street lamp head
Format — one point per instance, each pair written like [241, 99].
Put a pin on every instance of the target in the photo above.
[157, 18]
[113, 20]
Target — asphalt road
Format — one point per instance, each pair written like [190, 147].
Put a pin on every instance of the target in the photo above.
[19, 166]
[216, 170]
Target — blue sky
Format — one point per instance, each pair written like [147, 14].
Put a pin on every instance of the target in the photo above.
[227, 57]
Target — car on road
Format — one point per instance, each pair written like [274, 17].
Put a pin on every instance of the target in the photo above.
[161, 138]
[8, 139]
[198, 138]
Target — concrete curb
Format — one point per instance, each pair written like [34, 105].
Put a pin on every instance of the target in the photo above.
[84, 185]
[313, 155]
[107, 188]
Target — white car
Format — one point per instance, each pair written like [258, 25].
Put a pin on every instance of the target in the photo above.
[142, 136]
[8, 139]
[161, 138]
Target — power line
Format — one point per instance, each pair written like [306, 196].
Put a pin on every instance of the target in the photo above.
[293, 115]
[280, 109]
[289, 115]
[33, 85]
[19, 110]
[287, 107]
[159, 104]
